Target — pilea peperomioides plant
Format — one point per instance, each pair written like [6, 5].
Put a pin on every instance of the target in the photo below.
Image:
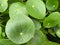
[29, 22]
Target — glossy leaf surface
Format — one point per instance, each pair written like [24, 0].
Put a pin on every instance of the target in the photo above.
[17, 9]
[20, 29]
[36, 8]
[52, 20]
[3, 5]
[38, 39]
[52, 4]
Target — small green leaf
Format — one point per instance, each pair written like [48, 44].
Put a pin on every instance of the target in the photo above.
[20, 29]
[17, 9]
[36, 8]
[52, 4]
[52, 20]
[58, 33]
[3, 5]
[6, 42]
[37, 24]
[50, 31]
[38, 39]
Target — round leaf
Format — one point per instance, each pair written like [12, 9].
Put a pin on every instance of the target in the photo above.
[52, 4]
[38, 38]
[36, 8]
[52, 20]
[37, 24]
[20, 29]
[3, 5]
[17, 9]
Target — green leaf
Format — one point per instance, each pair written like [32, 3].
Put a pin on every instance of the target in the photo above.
[17, 9]
[0, 32]
[59, 25]
[3, 5]
[51, 32]
[36, 8]
[52, 4]
[52, 20]
[6, 42]
[37, 24]
[50, 43]
[20, 29]
[58, 33]
[38, 38]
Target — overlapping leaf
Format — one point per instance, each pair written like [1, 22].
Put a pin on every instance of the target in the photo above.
[38, 39]
[52, 4]
[36, 8]
[6, 42]
[17, 9]
[52, 20]
[20, 29]
[3, 5]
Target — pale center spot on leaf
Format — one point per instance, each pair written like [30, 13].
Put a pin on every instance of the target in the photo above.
[17, 9]
[1, 4]
[48, 24]
[21, 33]
[33, 6]
[53, 5]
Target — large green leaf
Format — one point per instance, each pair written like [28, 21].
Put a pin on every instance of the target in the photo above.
[52, 4]
[3, 5]
[38, 38]
[20, 29]
[50, 43]
[52, 20]
[17, 9]
[36, 8]
[6, 42]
